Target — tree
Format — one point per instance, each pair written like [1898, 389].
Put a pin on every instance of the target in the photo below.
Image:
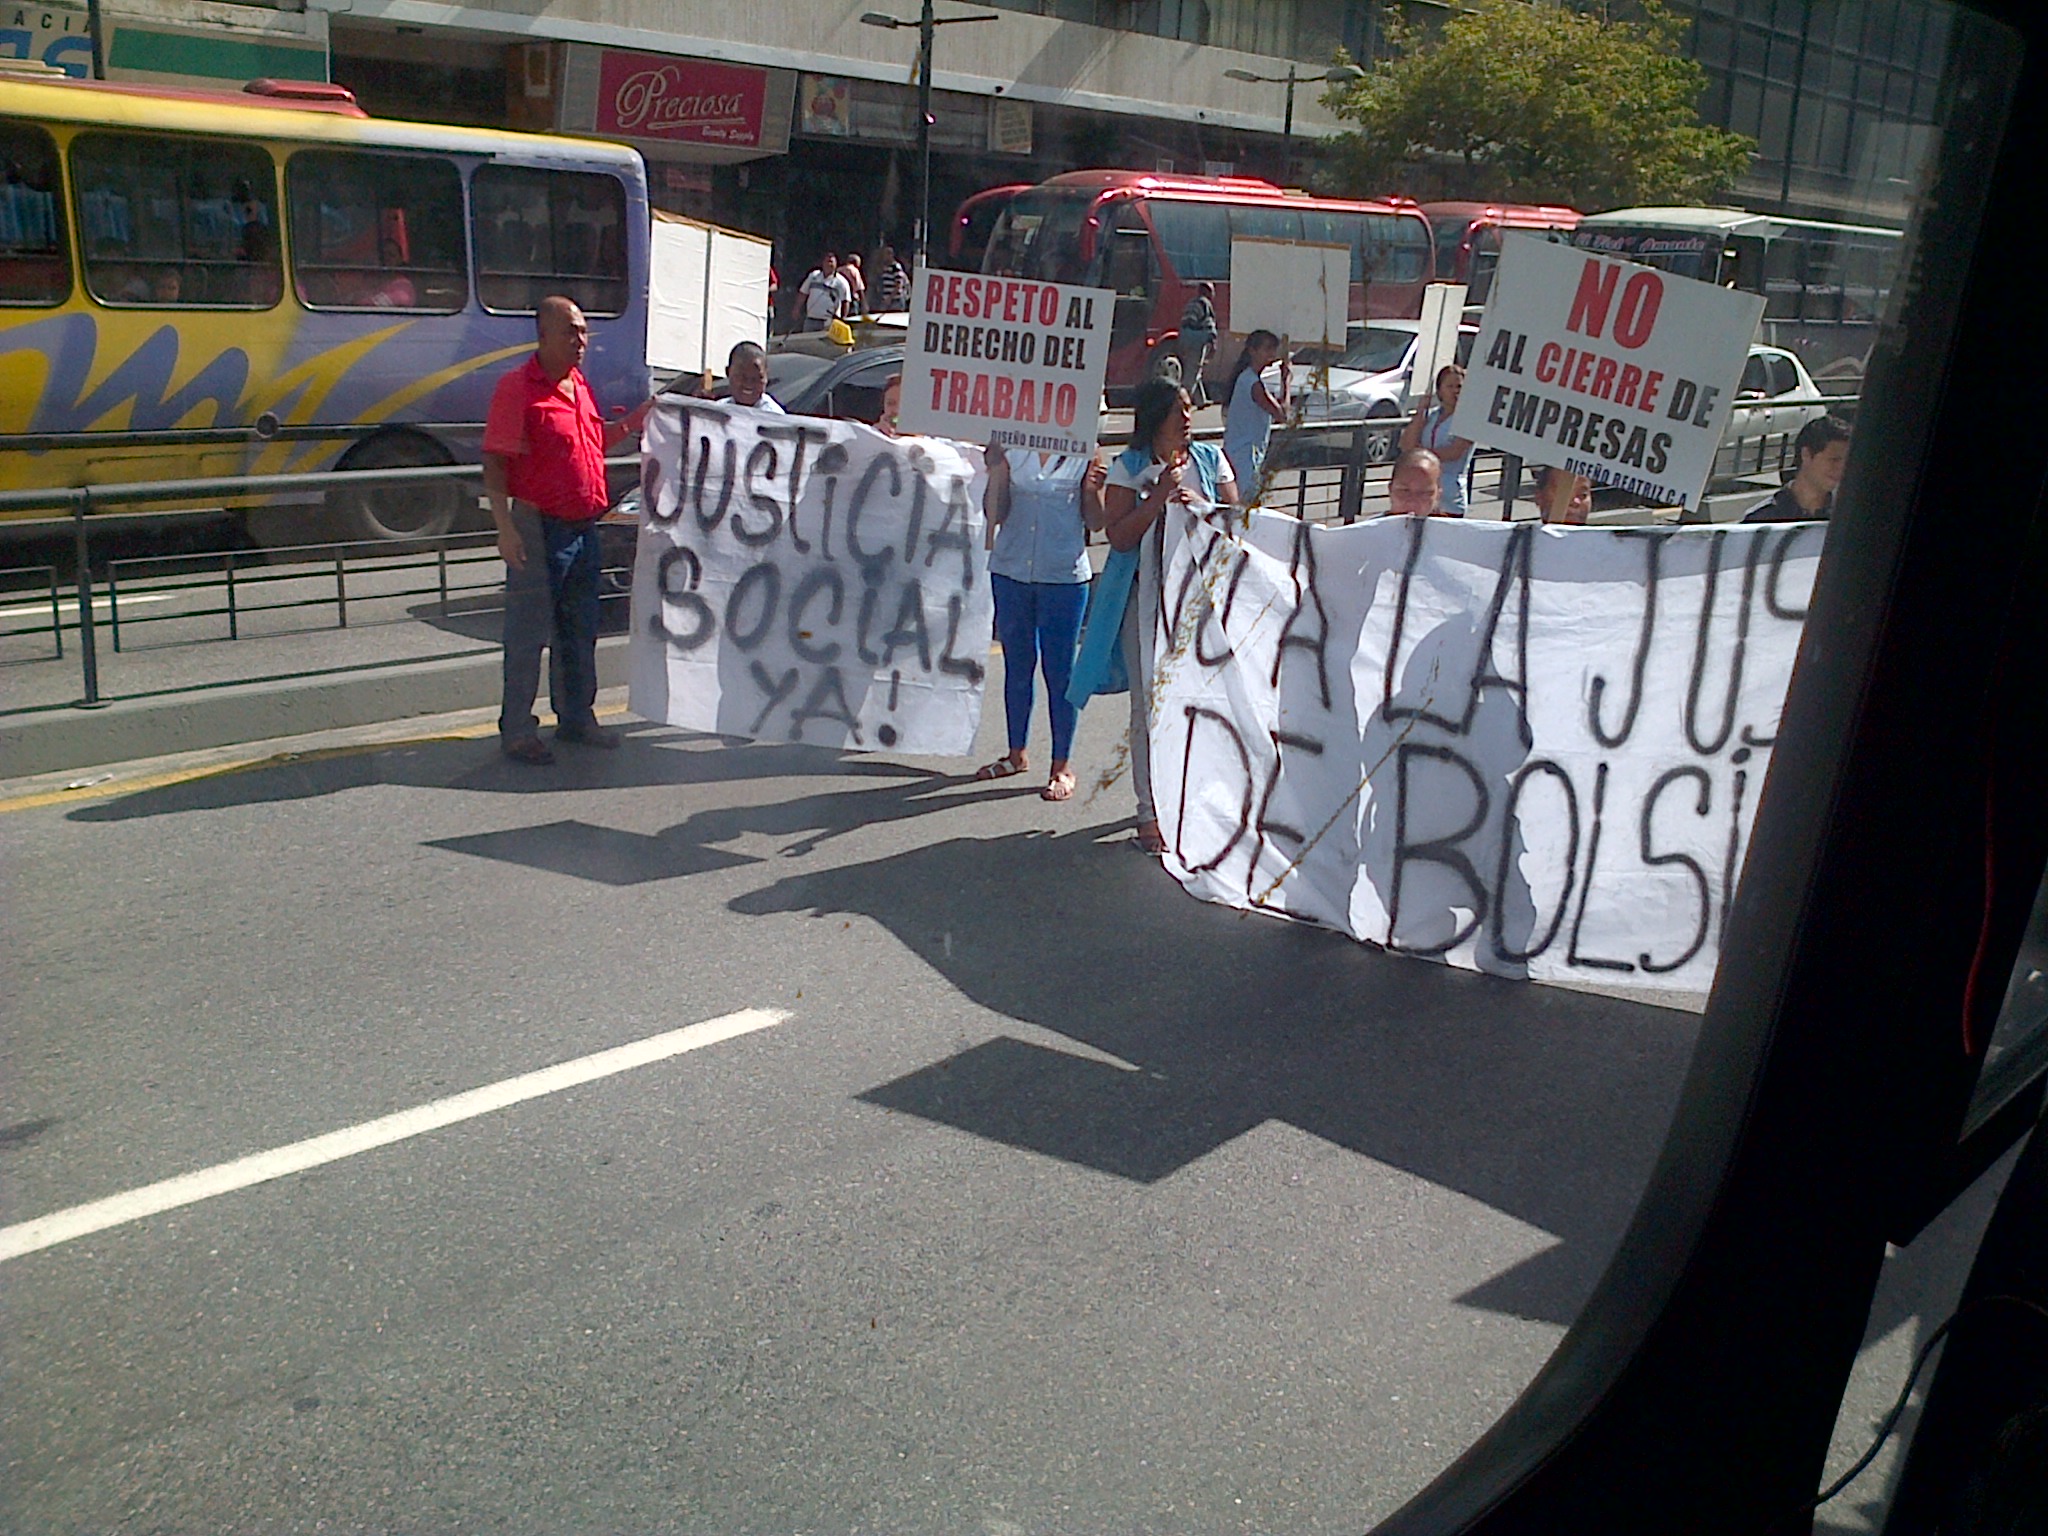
[1539, 103]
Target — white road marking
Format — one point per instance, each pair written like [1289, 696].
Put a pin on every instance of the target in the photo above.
[69, 605]
[260, 1167]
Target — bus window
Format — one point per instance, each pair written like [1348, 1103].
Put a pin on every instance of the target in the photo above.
[1861, 298]
[1397, 249]
[35, 268]
[1338, 229]
[173, 221]
[1449, 236]
[1265, 224]
[1784, 277]
[544, 232]
[376, 231]
[1195, 237]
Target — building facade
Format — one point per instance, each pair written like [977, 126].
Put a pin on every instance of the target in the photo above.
[793, 119]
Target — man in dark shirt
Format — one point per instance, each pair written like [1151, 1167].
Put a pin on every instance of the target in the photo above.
[544, 448]
[1809, 496]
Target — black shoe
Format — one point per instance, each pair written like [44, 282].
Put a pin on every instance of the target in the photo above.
[530, 750]
[589, 734]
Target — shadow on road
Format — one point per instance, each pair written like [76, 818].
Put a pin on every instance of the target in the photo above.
[651, 756]
[1545, 1104]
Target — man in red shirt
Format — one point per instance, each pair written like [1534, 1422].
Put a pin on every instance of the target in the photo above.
[544, 448]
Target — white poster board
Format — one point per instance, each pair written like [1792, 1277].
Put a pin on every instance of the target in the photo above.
[1006, 361]
[1521, 749]
[707, 291]
[807, 580]
[1611, 370]
[1443, 308]
[1301, 292]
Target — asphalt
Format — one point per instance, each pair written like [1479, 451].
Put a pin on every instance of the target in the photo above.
[1060, 1202]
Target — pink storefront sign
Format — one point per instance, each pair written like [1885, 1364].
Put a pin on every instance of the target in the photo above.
[679, 101]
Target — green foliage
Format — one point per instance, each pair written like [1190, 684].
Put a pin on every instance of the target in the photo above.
[1538, 103]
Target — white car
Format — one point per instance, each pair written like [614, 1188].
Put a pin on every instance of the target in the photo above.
[1366, 381]
[1775, 398]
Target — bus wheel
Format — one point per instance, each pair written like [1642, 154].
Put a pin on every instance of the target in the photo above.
[396, 511]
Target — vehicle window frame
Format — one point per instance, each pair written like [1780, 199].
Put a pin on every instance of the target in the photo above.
[304, 154]
[480, 275]
[190, 146]
[39, 139]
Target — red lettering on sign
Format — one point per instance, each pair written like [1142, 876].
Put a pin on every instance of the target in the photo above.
[956, 394]
[1650, 382]
[1010, 303]
[1638, 314]
[1631, 379]
[978, 405]
[1067, 402]
[1027, 400]
[1006, 396]
[1596, 292]
[1546, 362]
[935, 294]
[938, 383]
[952, 295]
[1048, 305]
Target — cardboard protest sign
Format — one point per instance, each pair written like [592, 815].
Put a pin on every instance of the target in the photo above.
[1618, 372]
[1520, 749]
[1004, 361]
[1301, 292]
[808, 580]
[1436, 344]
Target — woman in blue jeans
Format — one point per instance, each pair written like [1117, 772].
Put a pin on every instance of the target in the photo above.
[1040, 506]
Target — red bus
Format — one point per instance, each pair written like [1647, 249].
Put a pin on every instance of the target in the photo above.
[1151, 238]
[974, 221]
[1468, 237]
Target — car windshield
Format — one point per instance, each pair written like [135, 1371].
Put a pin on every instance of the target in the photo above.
[1377, 349]
[534, 1021]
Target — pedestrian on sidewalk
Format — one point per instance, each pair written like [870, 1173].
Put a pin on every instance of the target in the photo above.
[1250, 409]
[825, 293]
[1197, 340]
[1431, 428]
[1040, 508]
[892, 283]
[856, 285]
[1162, 467]
[544, 448]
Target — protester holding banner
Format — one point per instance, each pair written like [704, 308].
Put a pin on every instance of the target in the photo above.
[1431, 429]
[1162, 466]
[1040, 506]
[1809, 496]
[1562, 497]
[1249, 409]
[1415, 489]
[746, 376]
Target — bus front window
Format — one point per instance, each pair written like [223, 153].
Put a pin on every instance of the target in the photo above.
[1039, 236]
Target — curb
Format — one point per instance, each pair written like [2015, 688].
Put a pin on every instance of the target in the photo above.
[54, 740]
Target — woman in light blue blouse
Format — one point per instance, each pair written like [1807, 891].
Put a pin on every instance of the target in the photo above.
[1041, 506]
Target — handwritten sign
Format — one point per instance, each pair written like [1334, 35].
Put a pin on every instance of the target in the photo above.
[1618, 372]
[808, 580]
[1004, 361]
[1520, 749]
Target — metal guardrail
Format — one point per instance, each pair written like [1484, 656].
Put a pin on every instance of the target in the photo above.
[85, 506]
[54, 626]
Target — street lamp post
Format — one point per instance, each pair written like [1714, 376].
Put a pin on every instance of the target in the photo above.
[1337, 74]
[925, 24]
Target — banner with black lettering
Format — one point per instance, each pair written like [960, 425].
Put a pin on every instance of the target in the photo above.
[1522, 749]
[807, 580]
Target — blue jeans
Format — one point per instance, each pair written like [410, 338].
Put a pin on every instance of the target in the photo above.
[551, 601]
[1038, 623]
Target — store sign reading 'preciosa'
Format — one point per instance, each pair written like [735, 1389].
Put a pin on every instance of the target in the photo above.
[647, 96]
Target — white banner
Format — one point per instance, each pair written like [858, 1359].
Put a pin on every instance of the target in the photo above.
[1614, 371]
[1003, 361]
[1527, 750]
[808, 580]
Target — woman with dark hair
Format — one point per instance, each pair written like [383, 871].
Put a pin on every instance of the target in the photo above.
[1249, 409]
[1162, 466]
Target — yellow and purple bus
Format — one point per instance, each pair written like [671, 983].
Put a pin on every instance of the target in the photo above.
[202, 284]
